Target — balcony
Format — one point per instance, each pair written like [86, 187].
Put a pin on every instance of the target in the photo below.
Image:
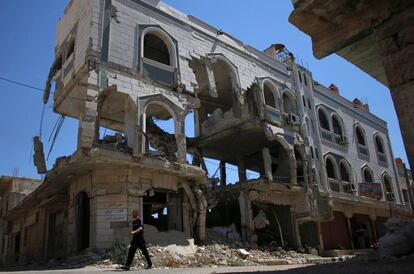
[273, 116]
[363, 152]
[347, 187]
[333, 138]
[334, 185]
[382, 159]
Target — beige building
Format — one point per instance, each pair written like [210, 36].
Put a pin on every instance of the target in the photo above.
[136, 74]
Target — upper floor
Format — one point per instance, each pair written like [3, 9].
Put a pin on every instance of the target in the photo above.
[355, 147]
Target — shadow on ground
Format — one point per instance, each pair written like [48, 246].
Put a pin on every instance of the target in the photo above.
[354, 266]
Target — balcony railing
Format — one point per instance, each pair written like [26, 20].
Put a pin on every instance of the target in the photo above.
[273, 115]
[333, 137]
[363, 150]
[382, 159]
[334, 184]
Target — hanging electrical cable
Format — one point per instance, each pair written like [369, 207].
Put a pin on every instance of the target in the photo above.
[59, 126]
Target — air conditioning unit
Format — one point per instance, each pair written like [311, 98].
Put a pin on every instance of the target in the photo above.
[292, 119]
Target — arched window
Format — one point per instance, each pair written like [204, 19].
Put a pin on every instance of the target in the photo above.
[379, 144]
[155, 49]
[333, 182]
[269, 95]
[159, 58]
[368, 177]
[330, 169]
[344, 169]
[337, 125]
[70, 48]
[388, 188]
[360, 135]
[288, 103]
[323, 119]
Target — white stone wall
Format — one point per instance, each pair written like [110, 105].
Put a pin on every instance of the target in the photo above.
[192, 39]
[371, 124]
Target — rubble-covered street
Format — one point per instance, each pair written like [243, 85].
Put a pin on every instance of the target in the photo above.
[187, 150]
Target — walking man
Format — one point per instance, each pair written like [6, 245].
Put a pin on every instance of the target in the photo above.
[138, 241]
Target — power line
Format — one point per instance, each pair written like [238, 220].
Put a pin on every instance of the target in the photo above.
[21, 84]
[33, 87]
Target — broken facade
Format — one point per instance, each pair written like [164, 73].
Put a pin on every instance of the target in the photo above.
[122, 66]
[13, 236]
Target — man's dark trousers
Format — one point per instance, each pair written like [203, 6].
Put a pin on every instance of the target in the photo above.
[135, 244]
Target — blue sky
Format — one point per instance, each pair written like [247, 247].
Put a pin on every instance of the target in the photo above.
[27, 49]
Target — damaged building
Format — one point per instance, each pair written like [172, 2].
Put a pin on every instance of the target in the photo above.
[324, 164]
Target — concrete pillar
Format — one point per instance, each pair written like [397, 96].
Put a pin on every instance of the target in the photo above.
[242, 170]
[295, 227]
[267, 161]
[320, 233]
[246, 216]
[348, 222]
[397, 48]
[409, 190]
[131, 127]
[223, 176]
[181, 141]
[87, 121]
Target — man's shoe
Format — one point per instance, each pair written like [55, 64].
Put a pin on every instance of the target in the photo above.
[126, 268]
[149, 266]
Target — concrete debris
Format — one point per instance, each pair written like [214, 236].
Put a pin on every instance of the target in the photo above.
[39, 156]
[229, 232]
[399, 240]
[172, 240]
[216, 250]
[260, 221]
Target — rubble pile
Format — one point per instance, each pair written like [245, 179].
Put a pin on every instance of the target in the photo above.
[218, 250]
[399, 240]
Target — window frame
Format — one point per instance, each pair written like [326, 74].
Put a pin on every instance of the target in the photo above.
[172, 46]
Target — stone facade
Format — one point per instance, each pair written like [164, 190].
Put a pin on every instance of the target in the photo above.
[123, 66]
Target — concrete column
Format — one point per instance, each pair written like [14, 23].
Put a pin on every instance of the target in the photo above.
[181, 141]
[409, 190]
[348, 222]
[246, 216]
[320, 233]
[295, 227]
[88, 122]
[223, 176]
[267, 161]
[401, 96]
[397, 49]
[131, 127]
[374, 230]
[242, 170]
